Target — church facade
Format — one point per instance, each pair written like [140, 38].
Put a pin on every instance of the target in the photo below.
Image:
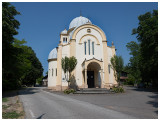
[88, 44]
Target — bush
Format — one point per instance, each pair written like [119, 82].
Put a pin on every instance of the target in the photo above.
[130, 80]
[118, 89]
[68, 91]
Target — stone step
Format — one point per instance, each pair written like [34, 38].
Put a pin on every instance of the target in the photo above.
[93, 91]
[79, 92]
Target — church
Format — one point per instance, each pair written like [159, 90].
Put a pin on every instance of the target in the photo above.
[88, 44]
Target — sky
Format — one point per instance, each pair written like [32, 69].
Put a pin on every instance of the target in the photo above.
[42, 23]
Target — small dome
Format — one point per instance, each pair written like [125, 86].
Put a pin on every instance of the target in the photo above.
[53, 54]
[64, 32]
[78, 21]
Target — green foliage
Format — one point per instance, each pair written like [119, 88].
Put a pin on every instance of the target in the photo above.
[68, 91]
[11, 115]
[68, 64]
[9, 23]
[36, 69]
[19, 64]
[10, 68]
[118, 89]
[117, 66]
[145, 54]
[134, 66]
[39, 80]
[4, 99]
[130, 81]
[65, 64]
[72, 64]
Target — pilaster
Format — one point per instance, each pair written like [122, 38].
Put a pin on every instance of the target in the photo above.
[105, 69]
[59, 68]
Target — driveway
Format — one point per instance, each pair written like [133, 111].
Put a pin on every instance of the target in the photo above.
[56, 105]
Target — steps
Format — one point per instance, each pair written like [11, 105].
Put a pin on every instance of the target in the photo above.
[93, 91]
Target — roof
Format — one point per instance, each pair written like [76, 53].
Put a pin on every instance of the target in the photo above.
[78, 21]
[53, 54]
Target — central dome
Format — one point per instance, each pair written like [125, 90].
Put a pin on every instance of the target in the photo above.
[78, 21]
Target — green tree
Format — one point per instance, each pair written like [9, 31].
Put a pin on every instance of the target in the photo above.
[72, 65]
[133, 68]
[147, 35]
[117, 66]
[10, 63]
[36, 69]
[69, 64]
[19, 64]
[30, 66]
[65, 66]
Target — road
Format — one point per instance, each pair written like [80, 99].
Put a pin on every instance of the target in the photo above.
[39, 104]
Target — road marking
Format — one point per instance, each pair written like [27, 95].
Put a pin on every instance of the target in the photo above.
[32, 114]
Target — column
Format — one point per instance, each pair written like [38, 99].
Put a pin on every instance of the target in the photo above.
[59, 69]
[86, 85]
[105, 61]
[73, 53]
[102, 85]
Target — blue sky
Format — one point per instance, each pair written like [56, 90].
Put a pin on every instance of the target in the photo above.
[41, 23]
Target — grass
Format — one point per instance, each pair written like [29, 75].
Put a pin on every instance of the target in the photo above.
[11, 115]
[5, 107]
[4, 99]
[12, 109]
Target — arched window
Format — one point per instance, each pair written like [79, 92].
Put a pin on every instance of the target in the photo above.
[64, 39]
[89, 47]
[93, 48]
[85, 48]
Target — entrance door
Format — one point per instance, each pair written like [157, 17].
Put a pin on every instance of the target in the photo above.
[90, 79]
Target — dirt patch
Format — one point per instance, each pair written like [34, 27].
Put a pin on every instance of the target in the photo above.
[12, 108]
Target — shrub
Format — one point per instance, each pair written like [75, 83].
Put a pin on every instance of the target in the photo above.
[118, 89]
[130, 80]
[68, 91]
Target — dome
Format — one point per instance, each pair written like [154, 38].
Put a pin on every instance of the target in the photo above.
[78, 21]
[64, 32]
[53, 54]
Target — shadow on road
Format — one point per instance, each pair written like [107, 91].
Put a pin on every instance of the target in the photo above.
[154, 97]
[10, 93]
[28, 91]
[24, 91]
[40, 117]
[154, 102]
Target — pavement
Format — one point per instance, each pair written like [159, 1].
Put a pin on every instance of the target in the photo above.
[133, 104]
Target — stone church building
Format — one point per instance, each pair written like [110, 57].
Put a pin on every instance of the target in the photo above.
[88, 44]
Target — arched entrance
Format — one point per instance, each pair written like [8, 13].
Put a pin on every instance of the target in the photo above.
[92, 73]
[93, 79]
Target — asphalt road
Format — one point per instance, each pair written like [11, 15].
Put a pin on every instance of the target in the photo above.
[140, 103]
[39, 104]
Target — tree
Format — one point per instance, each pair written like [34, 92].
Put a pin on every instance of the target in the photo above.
[69, 64]
[19, 64]
[36, 69]
[65, 66]
[133, 68]
[147, 35]
[72, 65]
[10, 63]
[117, 66]
[30, 66]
